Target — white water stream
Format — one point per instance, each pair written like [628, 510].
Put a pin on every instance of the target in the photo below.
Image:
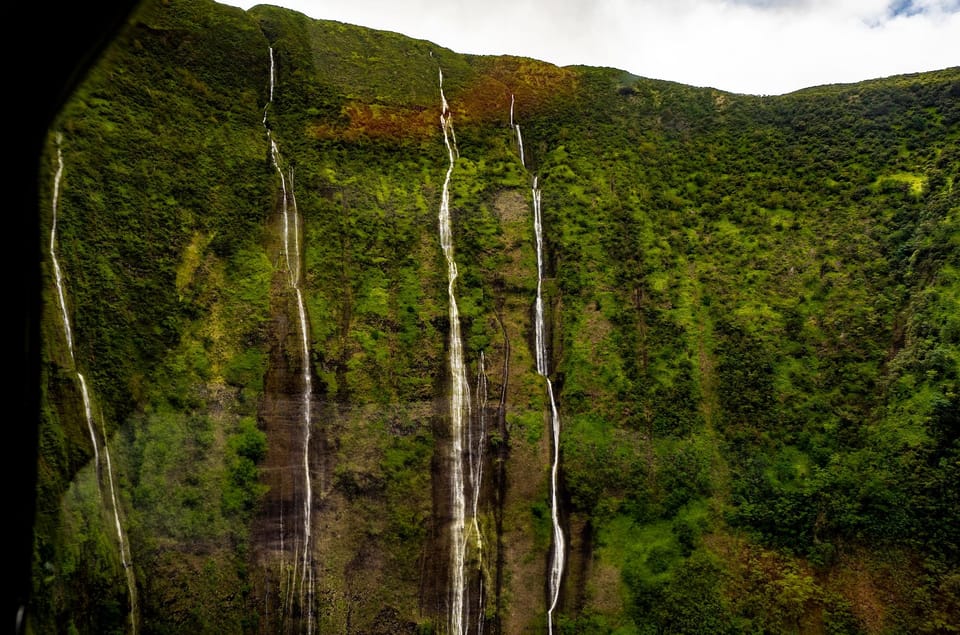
[520, 143]
[459, 405]
[556, 563]
[88, 413]
[291, 254]
[543, 369]
[125, 556]
[57, 273]
[476, 475]
[516, 128]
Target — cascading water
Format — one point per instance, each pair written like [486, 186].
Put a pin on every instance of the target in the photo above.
[539, 329]
[476, 442]
[57, 272]
[556, 564]
[520, 143]
[61, 297]
[125, 558]
[461, 437]
[291, 254]
[516, 128]
[543, 369]
[88, 413]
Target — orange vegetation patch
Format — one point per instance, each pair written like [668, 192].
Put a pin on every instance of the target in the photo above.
[860, 588]
[787, 592]
[380, 122]
[531, 82]
[779, 591]
[875, 583]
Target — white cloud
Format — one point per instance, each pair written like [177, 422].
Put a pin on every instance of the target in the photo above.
[749, 46]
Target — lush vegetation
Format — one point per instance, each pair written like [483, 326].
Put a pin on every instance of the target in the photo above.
[754, 317]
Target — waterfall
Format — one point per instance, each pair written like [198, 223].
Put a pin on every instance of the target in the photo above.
[476, 475]
[446, 122]
[57, 273]
[516, 128]
[540, 342]
[556, 564]
[459, 401]
[520, 143]
[125, 556]
[543, 369]
[88, 413]
[61, 297]
[273, 75]
[292, 256]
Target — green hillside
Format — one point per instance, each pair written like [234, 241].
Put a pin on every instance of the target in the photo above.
[752, 307]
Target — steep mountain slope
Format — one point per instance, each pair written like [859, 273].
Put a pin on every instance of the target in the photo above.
[751, 315]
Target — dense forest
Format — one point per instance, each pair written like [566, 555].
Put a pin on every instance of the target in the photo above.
[750, 310]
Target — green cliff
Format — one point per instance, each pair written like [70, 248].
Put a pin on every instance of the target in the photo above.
[752, 310]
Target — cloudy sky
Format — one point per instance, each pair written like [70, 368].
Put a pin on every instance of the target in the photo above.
[764, 47]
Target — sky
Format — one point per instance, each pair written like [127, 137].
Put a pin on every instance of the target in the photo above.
[759, 47]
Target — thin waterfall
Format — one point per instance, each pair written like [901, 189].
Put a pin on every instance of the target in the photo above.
[61, 296]
[476, 472]
[88, 413]
[543, 369]
[292, 255]
[459, 397]
[446, 122]
[273, 75]
[125, 555]
[539, 335]
[516, 128]
[556, 564]
[520, 143]
[57, 273]
[307, 405]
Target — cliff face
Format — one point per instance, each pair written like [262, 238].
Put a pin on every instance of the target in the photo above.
[750, 309]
